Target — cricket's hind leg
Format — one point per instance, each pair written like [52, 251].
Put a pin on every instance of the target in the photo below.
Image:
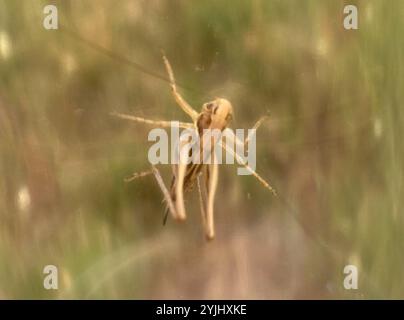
[211, 176]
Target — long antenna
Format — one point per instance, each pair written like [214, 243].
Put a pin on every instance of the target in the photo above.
[116, 57]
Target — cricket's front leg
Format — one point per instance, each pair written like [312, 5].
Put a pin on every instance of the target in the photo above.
[178, 98]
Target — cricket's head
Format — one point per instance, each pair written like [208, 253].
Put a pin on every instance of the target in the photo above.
[220, 112]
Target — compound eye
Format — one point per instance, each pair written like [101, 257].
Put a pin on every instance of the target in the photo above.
[209, 106]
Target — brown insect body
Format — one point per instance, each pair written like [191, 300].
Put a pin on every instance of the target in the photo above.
[216, 114]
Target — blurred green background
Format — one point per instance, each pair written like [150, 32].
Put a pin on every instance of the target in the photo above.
[331, 149]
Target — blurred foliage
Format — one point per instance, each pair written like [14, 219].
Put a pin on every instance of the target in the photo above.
[331, 148]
